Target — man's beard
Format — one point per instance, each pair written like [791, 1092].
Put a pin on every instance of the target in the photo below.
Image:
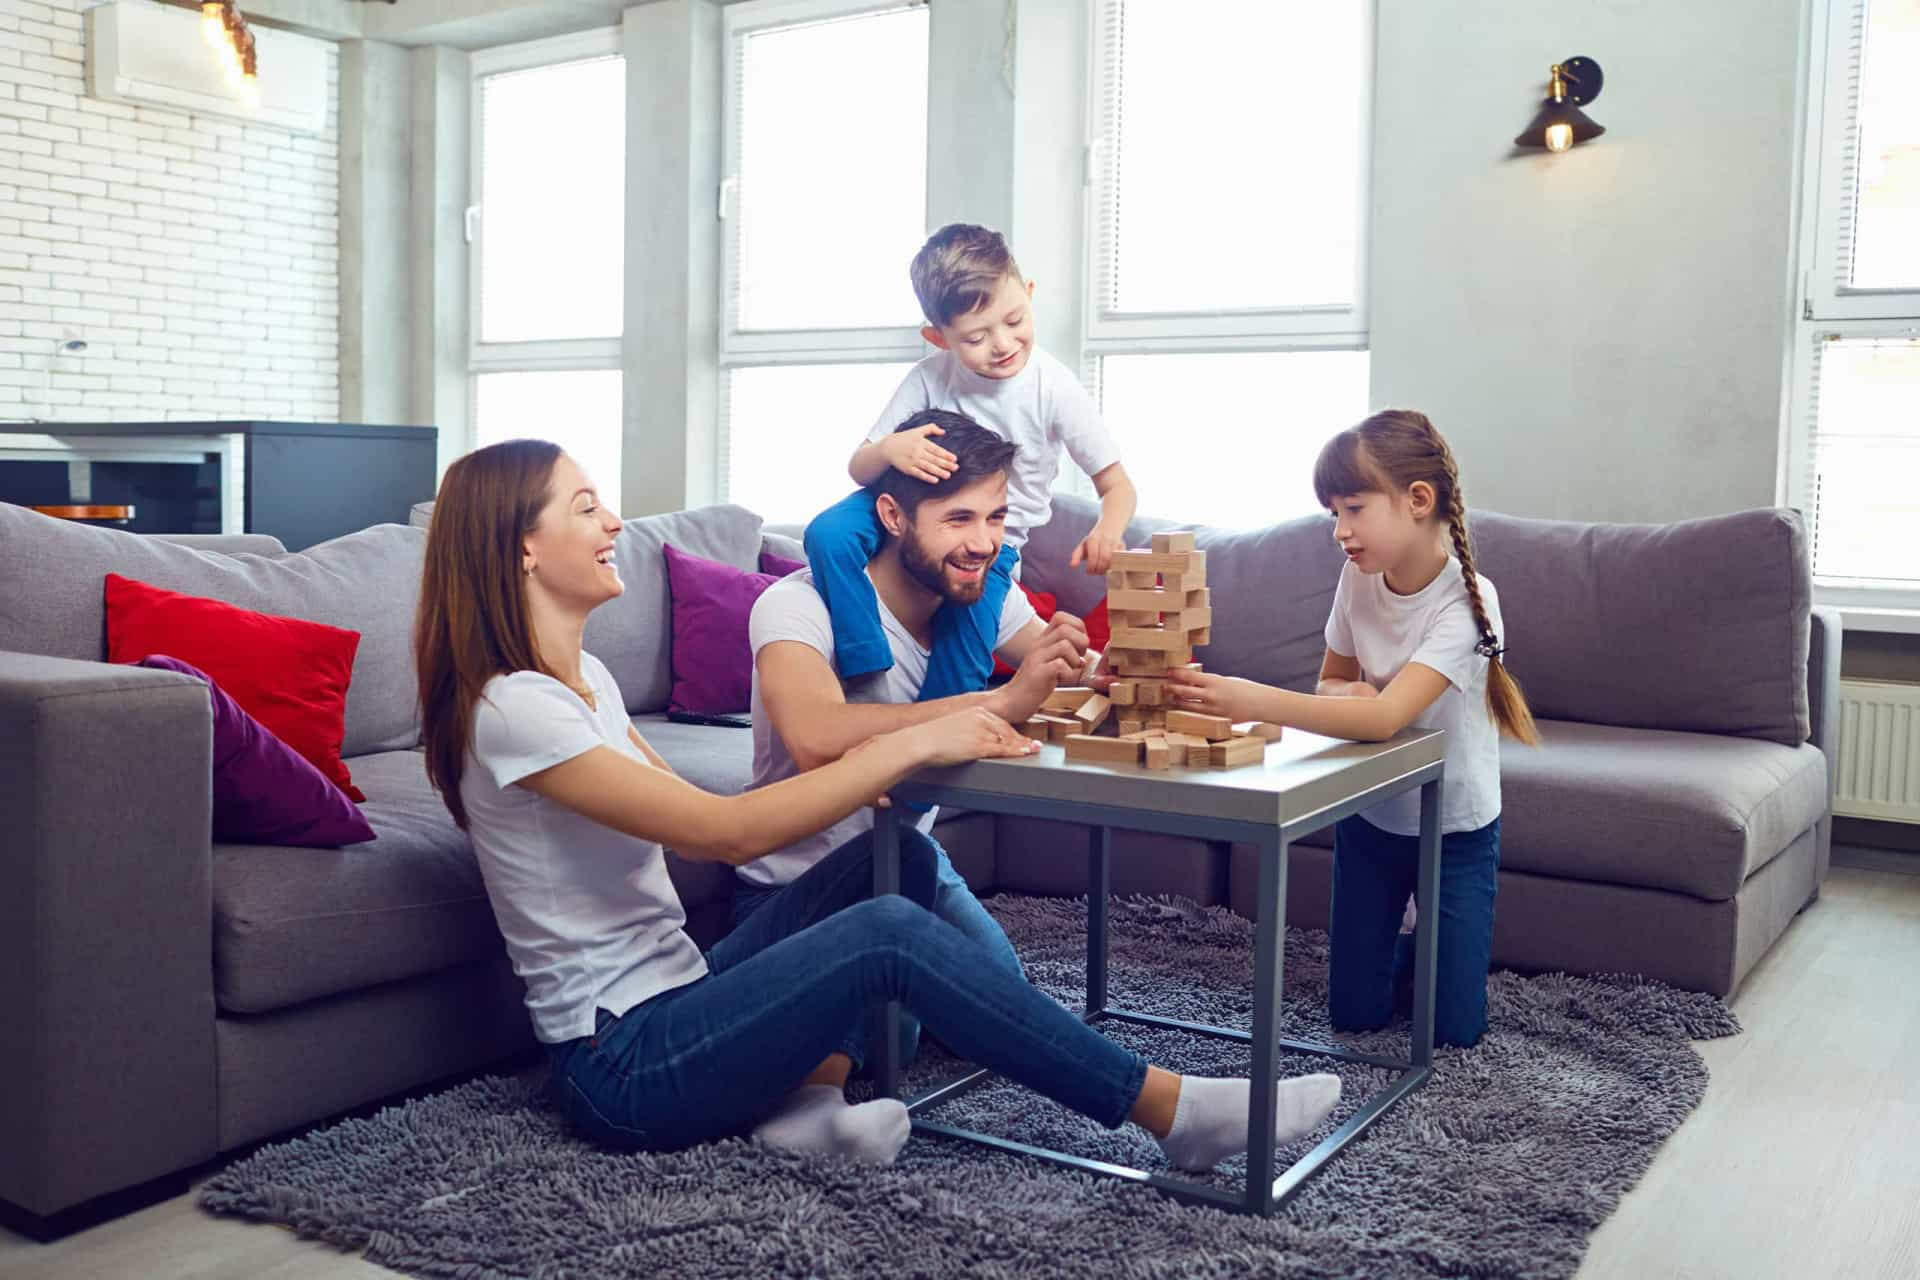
[930, 572]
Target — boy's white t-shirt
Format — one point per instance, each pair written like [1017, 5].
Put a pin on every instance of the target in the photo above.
[1435, 628]
[792, 609]
[590, 917]
[1042, 409]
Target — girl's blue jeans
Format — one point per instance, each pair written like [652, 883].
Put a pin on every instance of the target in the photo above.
[713, 1058]
[839, 543]
[1373, 872]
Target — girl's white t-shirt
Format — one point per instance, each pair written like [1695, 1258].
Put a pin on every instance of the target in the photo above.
[589, 914]
[1435, 628]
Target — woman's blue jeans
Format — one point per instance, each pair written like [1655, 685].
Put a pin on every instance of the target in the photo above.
[713, 1058]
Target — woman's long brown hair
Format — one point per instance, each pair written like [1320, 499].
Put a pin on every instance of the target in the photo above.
[473, 623]
[1397, 448]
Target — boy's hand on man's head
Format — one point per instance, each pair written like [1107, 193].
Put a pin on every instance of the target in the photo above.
[1096, 551]
[915, 454]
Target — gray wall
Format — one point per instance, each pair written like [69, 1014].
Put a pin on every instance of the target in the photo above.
[1600, 334]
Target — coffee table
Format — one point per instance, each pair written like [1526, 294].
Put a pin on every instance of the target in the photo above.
[1305, 783]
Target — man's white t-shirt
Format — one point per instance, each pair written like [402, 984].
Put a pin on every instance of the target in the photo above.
[1042, 409]
[1435, 628]
[590, 917]
[792, 609]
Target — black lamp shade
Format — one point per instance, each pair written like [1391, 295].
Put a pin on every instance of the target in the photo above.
[1552, 113]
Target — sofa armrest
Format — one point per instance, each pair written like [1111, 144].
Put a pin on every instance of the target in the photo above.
[106, 930]
[1823, 685]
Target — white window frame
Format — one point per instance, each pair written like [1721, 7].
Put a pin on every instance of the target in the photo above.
[523, 357]
[1829, 308]
[1299, 328]
[785, 346]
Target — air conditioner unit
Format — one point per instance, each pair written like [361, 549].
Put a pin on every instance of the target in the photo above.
[152, 55]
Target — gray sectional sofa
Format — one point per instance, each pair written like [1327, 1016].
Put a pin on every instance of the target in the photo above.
[170, 999]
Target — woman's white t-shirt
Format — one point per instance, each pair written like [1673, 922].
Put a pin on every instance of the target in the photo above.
[589, 914]
[1435, 628]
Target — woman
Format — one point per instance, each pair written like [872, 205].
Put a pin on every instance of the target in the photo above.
[654, 1045]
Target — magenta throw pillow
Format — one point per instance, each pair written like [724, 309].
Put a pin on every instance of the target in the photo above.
[778, 565]
[265, 792]
[712, 658]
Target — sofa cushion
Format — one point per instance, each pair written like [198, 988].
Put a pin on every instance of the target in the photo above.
[1272, 587]
[631, 633]
[295, 924]
[1700, 625]
[51, 601]
[1689, 812]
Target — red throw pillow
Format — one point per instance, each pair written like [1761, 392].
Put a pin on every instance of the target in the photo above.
[289, 675]
[1044, 604]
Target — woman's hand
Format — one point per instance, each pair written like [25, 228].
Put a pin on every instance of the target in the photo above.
[964, 736]
[1212, 695]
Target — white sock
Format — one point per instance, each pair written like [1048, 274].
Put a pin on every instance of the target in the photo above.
[1210, 1120]
[817, 1117]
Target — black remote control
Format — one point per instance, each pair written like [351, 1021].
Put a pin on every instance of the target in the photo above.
[700, 717]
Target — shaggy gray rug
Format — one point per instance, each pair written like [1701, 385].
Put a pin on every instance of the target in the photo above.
[1502, 1166]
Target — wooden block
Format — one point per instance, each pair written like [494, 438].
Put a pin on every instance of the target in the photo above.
[1163, 639]
[1122, 693]
[1191, 578]
[1187, 619]
[1156, 601]
[1158, 755]
[1173, 542]
[1176, 751]
[1212, 728]
[1092, 713]
[1142, 581]
[1066, 698]
[1152, 716]
[1257, 729]
[1138, 735]
[1057, 727]
[1035, 729]
[1131, 728]
[1203, 635]
[1160, 562]
[1117, 579]
[1235, 752]
[1149, 692]
[1092, 750]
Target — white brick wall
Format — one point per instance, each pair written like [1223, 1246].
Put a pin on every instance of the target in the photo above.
[198, 257]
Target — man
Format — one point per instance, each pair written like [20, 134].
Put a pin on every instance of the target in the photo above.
[941, 540]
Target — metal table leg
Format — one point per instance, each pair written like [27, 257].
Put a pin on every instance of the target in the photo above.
[1269, 956]
[1099, 888]
[1426, 940]
[884, 1047]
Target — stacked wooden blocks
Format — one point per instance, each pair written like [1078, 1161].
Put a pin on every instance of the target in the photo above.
[1160, 609]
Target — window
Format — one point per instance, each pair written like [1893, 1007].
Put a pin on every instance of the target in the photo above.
[825, 157]
[1855, 425]
[1226, 311]
[547, 226]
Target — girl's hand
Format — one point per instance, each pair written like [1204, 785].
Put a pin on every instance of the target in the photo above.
[1212, 695]
[965, 736]
[915, 454]
[1096, 551]
[1346, 689]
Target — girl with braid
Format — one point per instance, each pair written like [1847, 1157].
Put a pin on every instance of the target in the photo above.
[1415, 639]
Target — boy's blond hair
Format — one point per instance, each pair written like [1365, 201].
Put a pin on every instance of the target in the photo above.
[956, 271]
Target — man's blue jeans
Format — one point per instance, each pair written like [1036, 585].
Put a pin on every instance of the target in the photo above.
[811, 897]
[1373, 872]
[714, 1057]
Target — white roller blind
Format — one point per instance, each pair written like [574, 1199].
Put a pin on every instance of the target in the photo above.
[552, 202]
[1880, 223]
[1862, 456]
[1231, 155]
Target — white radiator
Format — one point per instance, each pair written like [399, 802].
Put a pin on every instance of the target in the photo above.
[1877, 774]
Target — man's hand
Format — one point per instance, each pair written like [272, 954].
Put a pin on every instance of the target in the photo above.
[1096, 550]
[913, 453]
[1054, 660]
[1212, 695]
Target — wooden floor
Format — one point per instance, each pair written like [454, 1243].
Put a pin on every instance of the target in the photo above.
[1804, 1160]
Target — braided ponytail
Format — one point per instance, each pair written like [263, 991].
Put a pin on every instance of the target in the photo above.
[1403, 447]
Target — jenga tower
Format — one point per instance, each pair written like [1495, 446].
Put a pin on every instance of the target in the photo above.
[1160, 609]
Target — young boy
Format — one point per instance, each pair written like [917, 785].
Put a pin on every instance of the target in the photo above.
[979, 312]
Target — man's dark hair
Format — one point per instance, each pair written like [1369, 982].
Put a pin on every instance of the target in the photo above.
[980, 454]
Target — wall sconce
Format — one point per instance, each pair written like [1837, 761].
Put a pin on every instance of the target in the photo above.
[1560, 123]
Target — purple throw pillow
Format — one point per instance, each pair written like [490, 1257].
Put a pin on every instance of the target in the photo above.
[712, 657]
[265, 792]
[778, 565]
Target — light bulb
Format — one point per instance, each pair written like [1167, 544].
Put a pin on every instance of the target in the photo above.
[212, 29]
[234, 76]
[1559, 137]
